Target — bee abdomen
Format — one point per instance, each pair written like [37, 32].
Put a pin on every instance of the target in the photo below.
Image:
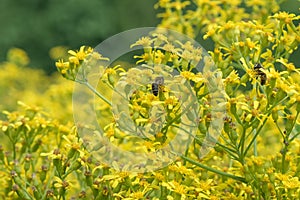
[260, 73]
[155, 87]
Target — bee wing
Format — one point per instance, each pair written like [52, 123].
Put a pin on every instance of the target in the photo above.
[159, 80]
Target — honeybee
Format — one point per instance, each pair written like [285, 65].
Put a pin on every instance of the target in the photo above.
[157, 85]
[259, 73]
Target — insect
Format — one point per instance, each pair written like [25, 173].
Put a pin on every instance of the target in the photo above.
[259, 73]
[157, 85]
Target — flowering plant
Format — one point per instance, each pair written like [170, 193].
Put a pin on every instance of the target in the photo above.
[255, 155]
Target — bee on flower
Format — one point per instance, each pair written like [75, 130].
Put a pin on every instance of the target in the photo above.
[157, 85]
[258, 69]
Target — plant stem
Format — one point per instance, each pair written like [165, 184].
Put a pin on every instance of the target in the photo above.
[94, 91]
[238, 178]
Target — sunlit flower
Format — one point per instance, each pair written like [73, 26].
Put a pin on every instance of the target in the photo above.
[291, 183]
[146, 57]
[144, 41]
[232, 78]
[176, 187]
[285, 17]
[289, 66]
[59, 183]
[81, 54]
[187, 75]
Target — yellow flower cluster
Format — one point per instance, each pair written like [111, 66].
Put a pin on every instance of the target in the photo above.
[255, 157]
[70, 68]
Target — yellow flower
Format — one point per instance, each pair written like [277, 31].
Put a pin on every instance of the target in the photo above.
[144, 41]
[18, 57]
[291, 183]
[232, 78]
[171, 102]
[74, 60]
[146, 57]
[55, 154]
[180, 5]
[159, 56]
[251, 3]
[183, 169]
[62, 65]
[285, 17]
[81, 54]
[212, 29]
[58, 52]
[170, 48]
[187, 75]
[160, 38]
[162, 4]
[139, 194]
[281, 177]
[74, 144]
[148, 146]
[59, 183]
[176, 187]
[268, 56]
[205, 185]
[227, 26]
[250, 43]
[275, 74]
[289, 66]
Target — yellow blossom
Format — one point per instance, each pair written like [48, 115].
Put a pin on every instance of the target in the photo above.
[250, 43]
[291, 183]
[81, 54]
[232, 78]
[61, 64]
[285, 17]
[187, 75]
[289, 66]
[144, 41]
[59, 183]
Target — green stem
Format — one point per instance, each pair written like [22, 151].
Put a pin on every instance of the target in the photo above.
[238, 178]
[284, 151]
[242, 142]
[255, 144]
[254, 130]
[294, 122]
[260, 128]
[94, 91]
[255, 135]
[177, 117]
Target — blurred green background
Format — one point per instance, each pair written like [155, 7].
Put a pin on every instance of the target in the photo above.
[38, 25]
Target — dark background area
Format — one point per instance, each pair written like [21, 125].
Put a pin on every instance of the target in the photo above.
[38, 25]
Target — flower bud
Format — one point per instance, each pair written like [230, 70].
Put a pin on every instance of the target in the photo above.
[201, 126]
[36, 193]
[290, 123]
[43, 173]
[228, 89]
[88, 178]
[233, 108]
[275, 115]
[36, 145]
[245, 79]
[112, 79]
